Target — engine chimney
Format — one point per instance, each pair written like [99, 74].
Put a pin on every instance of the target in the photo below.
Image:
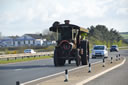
[67, 21]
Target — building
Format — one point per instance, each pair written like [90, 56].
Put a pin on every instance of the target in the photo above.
[25, 40]
[6, 42]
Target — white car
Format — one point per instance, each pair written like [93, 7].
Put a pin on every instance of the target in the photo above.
[99, 51]
[29, 51]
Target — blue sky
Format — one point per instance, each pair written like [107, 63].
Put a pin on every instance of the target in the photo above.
[18, 17]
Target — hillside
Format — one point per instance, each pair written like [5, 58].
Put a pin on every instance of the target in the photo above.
[124, 34]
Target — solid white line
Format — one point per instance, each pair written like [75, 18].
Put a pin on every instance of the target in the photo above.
[57, 74]
[18, 69]
[97, 75]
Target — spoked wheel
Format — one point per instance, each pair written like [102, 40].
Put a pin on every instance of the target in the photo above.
[61, 62]
[78, 61]
[85, 56]
[57, 60]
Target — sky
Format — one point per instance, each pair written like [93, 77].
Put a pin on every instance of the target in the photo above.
[18, 17]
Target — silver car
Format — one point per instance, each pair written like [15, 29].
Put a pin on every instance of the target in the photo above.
[99, 51]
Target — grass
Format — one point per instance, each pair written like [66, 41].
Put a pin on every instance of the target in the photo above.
[125, 36]
[24, 59]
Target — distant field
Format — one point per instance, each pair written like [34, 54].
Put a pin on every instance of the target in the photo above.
[124, 35]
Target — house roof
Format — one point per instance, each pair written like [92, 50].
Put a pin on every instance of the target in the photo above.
[36, 36]
[14, 37]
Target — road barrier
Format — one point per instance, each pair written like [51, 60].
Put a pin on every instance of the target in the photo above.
[66, 76]
[22, 56]
[89, 68]
[103, 62]
[111, 59]
[116, 57]
[119, 56]
[17, 83]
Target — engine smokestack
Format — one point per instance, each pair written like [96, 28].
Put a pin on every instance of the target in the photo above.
[67, 21]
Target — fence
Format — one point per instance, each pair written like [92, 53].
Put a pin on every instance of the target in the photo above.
[24, 55]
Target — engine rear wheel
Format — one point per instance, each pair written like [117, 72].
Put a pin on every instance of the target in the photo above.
[85, 56]
[77, 58]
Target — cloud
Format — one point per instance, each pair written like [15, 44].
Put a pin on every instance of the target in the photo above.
[123, 11]
[47, 11]
[40, 14]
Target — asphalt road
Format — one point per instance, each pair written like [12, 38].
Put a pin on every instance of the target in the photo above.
[118, 76]
[27, 71]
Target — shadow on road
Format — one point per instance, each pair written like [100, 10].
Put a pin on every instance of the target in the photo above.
[34, 66]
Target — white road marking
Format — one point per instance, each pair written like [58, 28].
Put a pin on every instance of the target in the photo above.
[99, 74]
[18, 69]
[57, 74]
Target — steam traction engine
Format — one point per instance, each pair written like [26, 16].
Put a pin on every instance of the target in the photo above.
[72, 44]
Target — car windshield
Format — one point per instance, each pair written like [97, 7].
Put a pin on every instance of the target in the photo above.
[99, 48]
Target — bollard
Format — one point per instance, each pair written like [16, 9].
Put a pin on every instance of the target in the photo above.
[7, 59]
[15, 58]
[119, 56]
[103, 62]
[27, 56]
[66, 76]
[111, 59]
[89, 68]
[116, 57]
[17, 83]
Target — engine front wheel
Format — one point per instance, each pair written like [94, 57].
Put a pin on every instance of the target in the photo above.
[57, 60]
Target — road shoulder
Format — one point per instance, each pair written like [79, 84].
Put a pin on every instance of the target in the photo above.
[80, 76]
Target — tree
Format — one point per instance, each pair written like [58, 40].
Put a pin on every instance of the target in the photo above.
[100, 33]
[49, 35]
[0, 35]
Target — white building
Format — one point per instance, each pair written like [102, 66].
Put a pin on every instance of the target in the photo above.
[25, 40]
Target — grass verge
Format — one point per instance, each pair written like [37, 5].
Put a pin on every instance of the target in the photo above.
[24, 59]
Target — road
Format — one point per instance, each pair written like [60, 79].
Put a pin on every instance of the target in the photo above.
[27, 71]
[119, 76]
